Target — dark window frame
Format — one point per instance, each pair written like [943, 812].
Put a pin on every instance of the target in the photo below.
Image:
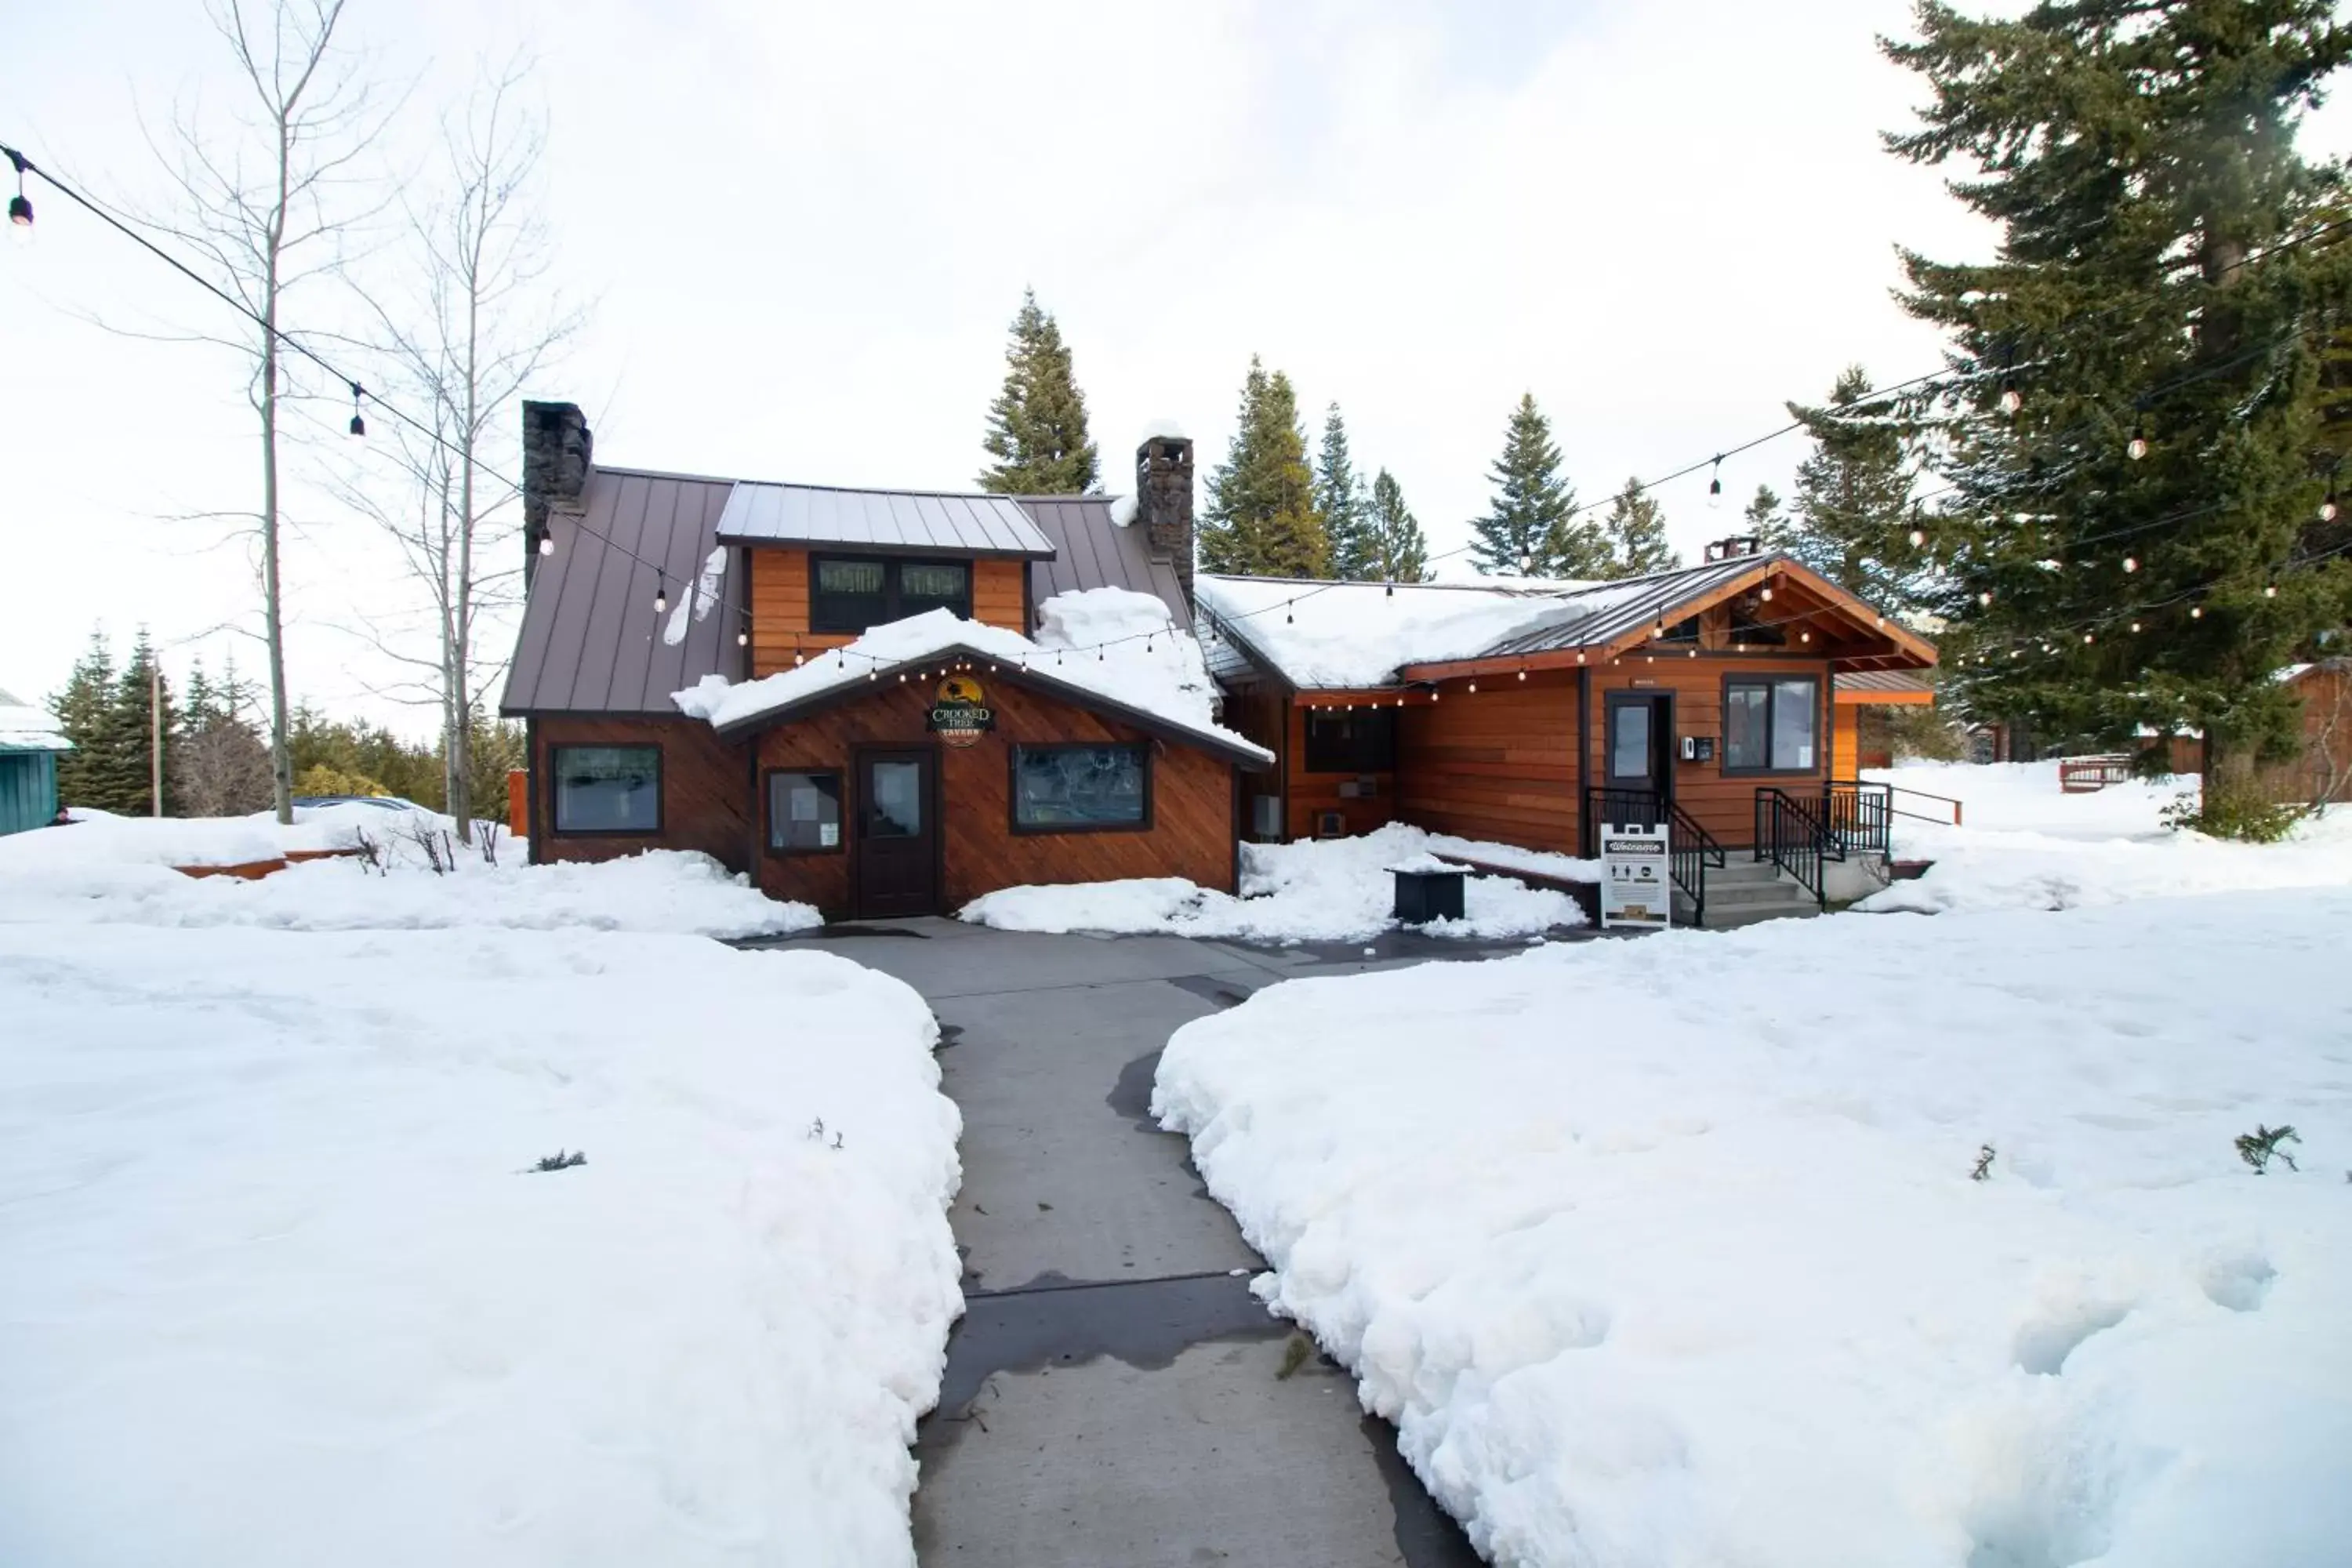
[893, 598]
[1012, 754]
[555, 790]
[1771, 707]
[1373, 754]
[767, 812]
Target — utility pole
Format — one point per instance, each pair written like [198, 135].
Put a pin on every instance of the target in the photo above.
[155, 737]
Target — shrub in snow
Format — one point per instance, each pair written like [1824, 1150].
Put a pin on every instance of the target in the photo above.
[1983, 1172]
[2259, 1147]
[560, 1161]
[2246, 815]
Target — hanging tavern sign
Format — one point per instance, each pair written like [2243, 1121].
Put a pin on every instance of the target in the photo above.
[960, 711]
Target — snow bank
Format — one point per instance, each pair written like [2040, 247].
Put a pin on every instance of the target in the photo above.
[277, 1286]
[2025, 844]
[1157, 668]
[1330, 889]
[1667, 1252]
[116, 869]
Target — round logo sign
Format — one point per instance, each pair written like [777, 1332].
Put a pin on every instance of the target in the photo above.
[960, 711]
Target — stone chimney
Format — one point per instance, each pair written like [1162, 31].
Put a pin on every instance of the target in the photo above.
[556, 454]
[1163, 501]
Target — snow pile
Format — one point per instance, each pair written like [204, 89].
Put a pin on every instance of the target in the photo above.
[701, 602]
[2024, 844]
[1354, 636]
[1329, 889]
[118, 869]
[23, 728]
[1157, 670]
[1648, 1275]
[278, 1285]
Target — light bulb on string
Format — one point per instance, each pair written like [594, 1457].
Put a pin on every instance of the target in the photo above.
[1715, 483]
[2137, 447]
[1392, 594]
[2131, 563]
[2270, 590]
[2196, 612]
[2328, 508]
[2134, 626]
[1919, 537]
[1804, 636]
[1768, 595]
[2011, 400]
[1474, 686]
[661, 594]
[1985, 599]
[547, 543]
[2086, 637]
[20, 206]
[1288, 618]
[358, 426]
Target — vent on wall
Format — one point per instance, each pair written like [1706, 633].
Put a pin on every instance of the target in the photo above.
[1330, 824]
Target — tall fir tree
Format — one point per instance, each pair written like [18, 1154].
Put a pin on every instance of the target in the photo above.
[1397, 550]
[1636, 529]
[142, 711]
[2155, 290]
[1852, 516]
[83, 710]
[1261, 519]
[1533, 528]
[1037, 424]
[1341, 498]
[1762, 516]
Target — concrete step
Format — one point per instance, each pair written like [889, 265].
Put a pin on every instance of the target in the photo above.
[1729, 893]
[1750, 914]
[1735, 871]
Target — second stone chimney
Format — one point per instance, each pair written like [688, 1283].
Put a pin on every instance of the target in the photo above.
[557, 450]
[1163, 501]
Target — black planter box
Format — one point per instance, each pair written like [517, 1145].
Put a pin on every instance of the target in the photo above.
[1425, 896]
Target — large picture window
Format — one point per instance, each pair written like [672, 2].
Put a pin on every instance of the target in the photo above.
[1064, 789]
[803, 811]
[849, 594]
[608, 789]
[1359, 740]
[1771, 724]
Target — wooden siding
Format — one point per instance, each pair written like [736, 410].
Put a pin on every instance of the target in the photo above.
[1497, 763]
[706, 790]
[1724, 805]
[1259, 711]
[779, 605]
[1192, 832]
[1309, 795]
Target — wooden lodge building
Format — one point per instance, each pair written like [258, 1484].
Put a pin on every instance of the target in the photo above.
[888, 703]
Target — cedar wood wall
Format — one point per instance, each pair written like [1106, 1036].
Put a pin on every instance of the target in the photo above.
[1192, 830]
[1265, 714]
[1500, 762]
[706, 789]
[779, 604]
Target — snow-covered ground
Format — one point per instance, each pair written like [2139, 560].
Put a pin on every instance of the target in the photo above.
[2024, 844]
[114, 869]
[280, 1285]
[1668, 1252]
[1330, 889]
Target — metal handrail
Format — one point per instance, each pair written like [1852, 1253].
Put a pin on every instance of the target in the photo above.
[1792, 838]
[1957, 806]
[1858, 814]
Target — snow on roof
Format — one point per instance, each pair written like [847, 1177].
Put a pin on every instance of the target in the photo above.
[2290, 672]
[23, 728]
[1156, 670]
[1350, 636]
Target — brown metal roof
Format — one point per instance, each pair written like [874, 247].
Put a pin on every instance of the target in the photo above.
[1895, 681]
[592, 642]
[896, 521]
[1090, 551]
[590, 639]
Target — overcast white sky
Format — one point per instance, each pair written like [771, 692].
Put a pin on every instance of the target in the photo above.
[807, 227]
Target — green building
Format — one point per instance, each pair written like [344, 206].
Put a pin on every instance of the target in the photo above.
[29, 743]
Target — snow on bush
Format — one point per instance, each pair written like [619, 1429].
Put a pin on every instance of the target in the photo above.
[2024, 844]
[1329, 889]
[107, 868]
[1668, 1252]
[281, 1284]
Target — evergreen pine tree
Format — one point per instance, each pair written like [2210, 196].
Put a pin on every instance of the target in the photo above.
[1038, 426]
[2154, 278]
[1637, 531]
[1534, 529]
[1341, 497]
[1261, 519]
[1853, 516]
[82, 710]
[126, 782]
[1397, 550]
[1763, 517]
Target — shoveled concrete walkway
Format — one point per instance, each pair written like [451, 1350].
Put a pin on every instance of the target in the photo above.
[1113, 1393]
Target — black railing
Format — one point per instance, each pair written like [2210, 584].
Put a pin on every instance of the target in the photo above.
[1690, 848]
[1858, 816]
[1792, 838]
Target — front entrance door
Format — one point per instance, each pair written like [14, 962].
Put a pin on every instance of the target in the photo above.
[897, 846]
[1640, 756]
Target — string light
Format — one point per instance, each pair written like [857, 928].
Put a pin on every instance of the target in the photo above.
[359, 426]
[20, 208]
[1804, 636]
[2270, 590]
[1919, 537]
[2137, 447]
[2134, 626]
[2086, 637]
[1392, 594]
[2327, 507]
[1715, 483]
[2010, 399]
[2196, 612]
[1288, 618]
[1768, 595]
[1523, 675]
[1985, 597]
[2131, 563]
[661, 595]
[546, 542]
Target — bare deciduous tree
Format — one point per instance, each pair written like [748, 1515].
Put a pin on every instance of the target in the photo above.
[472, 325]
[222, 769]
[263, 200]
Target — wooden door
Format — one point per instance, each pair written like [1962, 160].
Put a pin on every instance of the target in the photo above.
[896, 852]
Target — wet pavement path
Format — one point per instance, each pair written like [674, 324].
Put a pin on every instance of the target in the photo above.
[1114, 1395]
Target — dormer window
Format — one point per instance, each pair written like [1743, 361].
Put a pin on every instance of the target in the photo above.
[855, 594]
